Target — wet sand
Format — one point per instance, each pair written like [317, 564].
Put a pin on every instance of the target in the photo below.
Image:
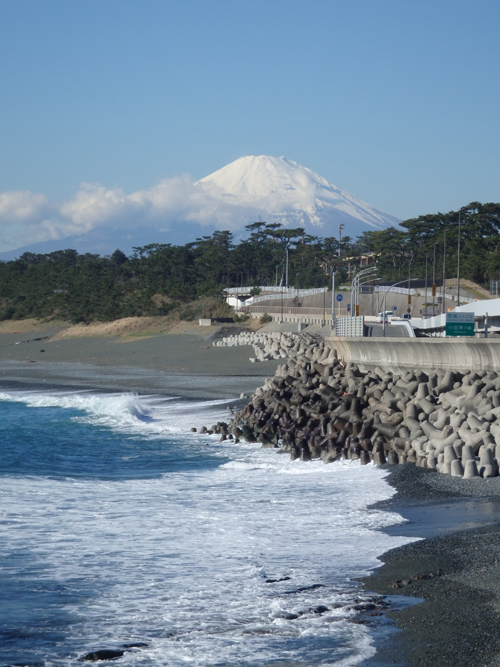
[180, 364]
[458, 622]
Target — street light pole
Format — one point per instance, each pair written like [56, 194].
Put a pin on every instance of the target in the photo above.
[434, 281]
[286, 283]
[324, 297]
[409, 280]
[458, 260]
[425, 306]
[355, 286]
[333, 299]
[444, 273]
[281, 319]
[341, 227]
[385, 299]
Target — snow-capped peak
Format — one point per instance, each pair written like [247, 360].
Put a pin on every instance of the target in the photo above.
[284, 191]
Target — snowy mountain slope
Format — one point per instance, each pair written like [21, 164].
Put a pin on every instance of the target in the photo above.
[280, 190]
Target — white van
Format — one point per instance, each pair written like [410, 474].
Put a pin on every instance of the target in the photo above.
[380, 316]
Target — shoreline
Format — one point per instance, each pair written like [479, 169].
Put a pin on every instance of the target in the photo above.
[458, 622]
[454, 570]
[174, 364]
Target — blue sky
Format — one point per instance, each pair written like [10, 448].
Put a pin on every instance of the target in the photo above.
[395, 101]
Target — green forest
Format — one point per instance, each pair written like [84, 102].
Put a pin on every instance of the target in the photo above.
[161, 278]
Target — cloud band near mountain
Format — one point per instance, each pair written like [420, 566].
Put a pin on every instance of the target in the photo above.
[249, 189]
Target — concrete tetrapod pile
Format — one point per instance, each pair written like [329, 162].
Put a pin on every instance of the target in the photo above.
[317, 407]
[269, 345]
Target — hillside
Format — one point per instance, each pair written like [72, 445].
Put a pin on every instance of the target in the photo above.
[187, 281]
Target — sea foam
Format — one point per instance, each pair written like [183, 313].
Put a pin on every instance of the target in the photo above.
[182, 561]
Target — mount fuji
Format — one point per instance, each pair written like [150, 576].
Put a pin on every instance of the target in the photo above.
[280, 190]
[178, 210]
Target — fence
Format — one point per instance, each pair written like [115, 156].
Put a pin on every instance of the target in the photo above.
[296, 313]
[395, 290]
[350, 327]
[288, 293]
[297, 310]
[246, 289]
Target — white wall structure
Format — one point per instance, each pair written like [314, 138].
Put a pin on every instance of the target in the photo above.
[437, 323]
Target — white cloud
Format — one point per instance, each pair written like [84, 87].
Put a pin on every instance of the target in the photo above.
[92, 205]
[22, 206]
[26, 217]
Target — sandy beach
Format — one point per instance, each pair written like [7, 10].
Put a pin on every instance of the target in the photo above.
[456, 570]
[182, 362]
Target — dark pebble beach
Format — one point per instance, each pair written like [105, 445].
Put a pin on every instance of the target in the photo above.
[455, 571]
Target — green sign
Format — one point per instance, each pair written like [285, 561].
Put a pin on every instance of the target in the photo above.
[459, 324]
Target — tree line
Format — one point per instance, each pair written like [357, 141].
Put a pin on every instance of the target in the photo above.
[160, 278]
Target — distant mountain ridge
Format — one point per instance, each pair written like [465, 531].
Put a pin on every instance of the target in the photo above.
[176, 211]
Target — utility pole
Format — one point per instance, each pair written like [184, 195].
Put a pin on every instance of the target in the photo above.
[324, 297]
[237, 300]
[384, 301]
[333, 299]
[458, 260]
[341, 227]
[281, 320]
[434, 282]
[444, 272]
[425, 305]
[409, 280]
[286, 268]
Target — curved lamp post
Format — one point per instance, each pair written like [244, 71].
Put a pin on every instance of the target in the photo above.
[385, 296]
[356, 283]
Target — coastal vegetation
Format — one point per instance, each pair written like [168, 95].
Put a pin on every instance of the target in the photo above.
[160, 279]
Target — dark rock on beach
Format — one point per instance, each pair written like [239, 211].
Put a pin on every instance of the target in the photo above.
[287, 615]
[103, 654]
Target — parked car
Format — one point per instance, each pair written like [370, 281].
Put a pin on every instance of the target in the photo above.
[387, 314]
[406, 316]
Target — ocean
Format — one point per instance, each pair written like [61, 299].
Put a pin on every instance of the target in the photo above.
[122, 530]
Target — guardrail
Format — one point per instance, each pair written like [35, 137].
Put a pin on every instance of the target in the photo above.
[296, 310]
[288, 294]
[277, 290]
[247, 288]
[394, 290]
[296, 313]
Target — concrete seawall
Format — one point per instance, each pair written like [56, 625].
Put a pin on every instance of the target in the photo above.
[393, 354]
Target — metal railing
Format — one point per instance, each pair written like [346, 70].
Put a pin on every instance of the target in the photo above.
[395, 290]
[296, 310]
[289, 293]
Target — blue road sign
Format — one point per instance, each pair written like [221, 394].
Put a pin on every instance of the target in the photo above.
[339, 297]
[395, 307]
[348, 305]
